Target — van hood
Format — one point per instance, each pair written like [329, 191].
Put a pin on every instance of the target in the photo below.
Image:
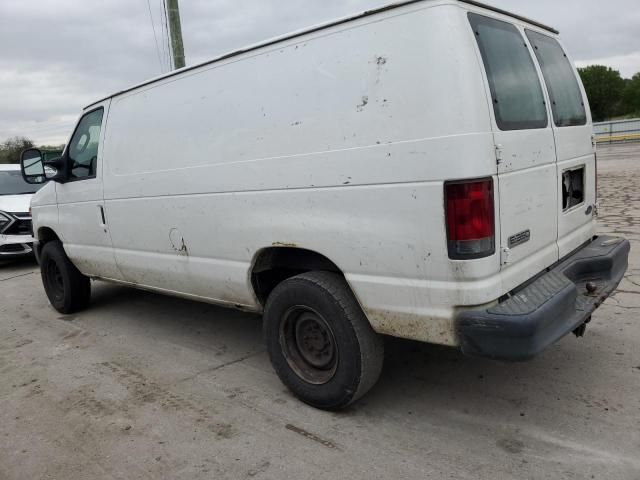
[15, 203]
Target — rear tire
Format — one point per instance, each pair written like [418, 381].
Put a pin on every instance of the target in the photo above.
[68, 290]
[320, 342]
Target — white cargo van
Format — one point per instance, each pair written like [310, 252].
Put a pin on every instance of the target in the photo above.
[425, 170]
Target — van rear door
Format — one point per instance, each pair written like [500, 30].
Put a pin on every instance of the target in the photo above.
[574, 145]
[525, 149]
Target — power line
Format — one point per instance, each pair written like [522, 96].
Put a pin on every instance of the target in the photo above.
[49, 127]
[47, 124]
[155, 37]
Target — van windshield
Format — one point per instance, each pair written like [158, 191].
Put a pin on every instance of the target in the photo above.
[516, 91]
[12, 183]
[564, 92]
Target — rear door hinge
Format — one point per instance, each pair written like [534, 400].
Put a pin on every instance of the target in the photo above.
[505, 255]
[499, 150]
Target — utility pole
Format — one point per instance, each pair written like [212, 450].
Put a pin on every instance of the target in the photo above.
[175, 31]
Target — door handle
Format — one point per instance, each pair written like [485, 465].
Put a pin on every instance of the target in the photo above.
[103, 221]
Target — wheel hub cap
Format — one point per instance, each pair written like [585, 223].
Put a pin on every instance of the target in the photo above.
[313, 341]
[309, 345]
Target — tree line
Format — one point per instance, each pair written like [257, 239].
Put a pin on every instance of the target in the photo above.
[610, 95]
[11, 149]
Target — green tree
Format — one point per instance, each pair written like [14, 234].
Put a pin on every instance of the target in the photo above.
[631, 95]
[605, 88]
[11, 149]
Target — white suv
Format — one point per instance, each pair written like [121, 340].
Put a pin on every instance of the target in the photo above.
[16, 238]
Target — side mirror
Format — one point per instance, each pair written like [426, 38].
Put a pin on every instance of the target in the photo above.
[35, 169]
[32, 166]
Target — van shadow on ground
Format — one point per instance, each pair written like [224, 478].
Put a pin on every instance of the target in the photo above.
[415, 375]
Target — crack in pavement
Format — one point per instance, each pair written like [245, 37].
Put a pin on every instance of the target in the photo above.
[627, 291]
[218, 367]
[18, 276]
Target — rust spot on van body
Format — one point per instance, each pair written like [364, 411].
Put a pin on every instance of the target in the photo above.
[177, 242]
[365, 102]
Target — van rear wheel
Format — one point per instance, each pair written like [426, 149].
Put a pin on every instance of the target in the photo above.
[321, 344]
[68, 290]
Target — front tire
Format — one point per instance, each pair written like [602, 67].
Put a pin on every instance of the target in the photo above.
[320, 342]
[68, 290]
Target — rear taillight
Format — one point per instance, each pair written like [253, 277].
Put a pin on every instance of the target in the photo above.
[470, 219]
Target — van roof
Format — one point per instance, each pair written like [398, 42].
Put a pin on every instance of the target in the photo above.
[323, 26]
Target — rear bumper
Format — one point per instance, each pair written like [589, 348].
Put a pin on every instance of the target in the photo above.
[545, 310]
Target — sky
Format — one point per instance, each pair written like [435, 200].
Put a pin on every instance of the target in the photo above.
[57, 56]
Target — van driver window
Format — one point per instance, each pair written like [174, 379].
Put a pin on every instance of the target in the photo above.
[83, 148]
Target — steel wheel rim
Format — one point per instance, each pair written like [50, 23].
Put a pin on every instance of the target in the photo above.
[309, 345]
[55, 282]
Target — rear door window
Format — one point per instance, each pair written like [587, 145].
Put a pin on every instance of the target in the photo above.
[516, 92]
[567, 103]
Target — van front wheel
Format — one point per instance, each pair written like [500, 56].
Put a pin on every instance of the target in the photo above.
[321, 344]
[68, 290]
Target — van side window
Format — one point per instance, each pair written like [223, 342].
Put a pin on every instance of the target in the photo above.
[516, 92]
[567, 103]
[83, 148]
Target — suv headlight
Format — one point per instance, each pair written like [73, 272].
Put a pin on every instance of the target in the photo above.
[5, 220]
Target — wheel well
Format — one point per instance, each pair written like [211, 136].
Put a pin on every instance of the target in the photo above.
[273, 265]
[45, 235]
